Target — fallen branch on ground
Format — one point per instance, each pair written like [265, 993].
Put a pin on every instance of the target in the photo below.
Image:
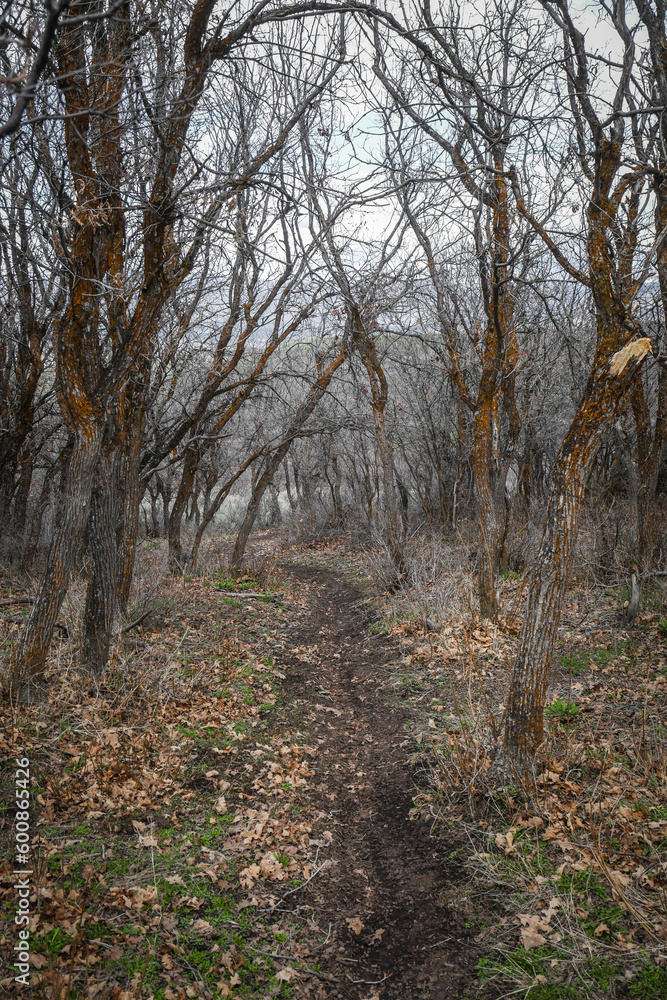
[137, 621]
[247, 593]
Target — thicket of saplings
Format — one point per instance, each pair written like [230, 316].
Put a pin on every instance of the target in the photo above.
[329, 488]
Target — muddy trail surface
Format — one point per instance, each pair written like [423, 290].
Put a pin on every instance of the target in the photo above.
[392, 898]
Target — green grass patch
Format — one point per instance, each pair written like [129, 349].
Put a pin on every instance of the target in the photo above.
[650, 984]
[585, 883]
[611, 916]
[575, 664]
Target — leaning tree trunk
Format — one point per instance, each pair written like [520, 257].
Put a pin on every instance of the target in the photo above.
[183, 494]
[313, 396]
[251, 513]
[524, 725]
[292, 502]
[212, 509]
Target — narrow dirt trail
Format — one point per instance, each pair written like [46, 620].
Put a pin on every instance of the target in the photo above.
[394, 898]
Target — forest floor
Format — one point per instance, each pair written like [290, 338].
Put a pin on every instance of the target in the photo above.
[285, 797]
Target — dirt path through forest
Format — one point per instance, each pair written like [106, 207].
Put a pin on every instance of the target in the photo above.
[394, 899]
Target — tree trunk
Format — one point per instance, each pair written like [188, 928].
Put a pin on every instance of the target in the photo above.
[214, 507]
[40, 509]
[524, 727]
[365, 345]
[650, 450]
[290, 499]
[176, 558]
[114, 524]
[130, 504]
[164, 489]
[69, 529]
[22, 494]
[338, 480]
[487, 476]
[405, 501]
[101, 597]
[275, 515]
[156, 527]
[313, 396]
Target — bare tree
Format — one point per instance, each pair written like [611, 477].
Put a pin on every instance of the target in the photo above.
[473, 95]
[364, 300]
[130, 243]
[619, 351]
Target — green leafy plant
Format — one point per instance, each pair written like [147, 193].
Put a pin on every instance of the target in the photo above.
[561, 711]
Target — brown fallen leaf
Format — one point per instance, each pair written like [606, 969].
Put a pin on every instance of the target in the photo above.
[531, 939]
[146, 840]
[376, 937]
[286, 975]
[192, 902]
[600, 930]
[506, 841]
[355, 924]
[202, 927]
[249, 876]
[530, 930]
